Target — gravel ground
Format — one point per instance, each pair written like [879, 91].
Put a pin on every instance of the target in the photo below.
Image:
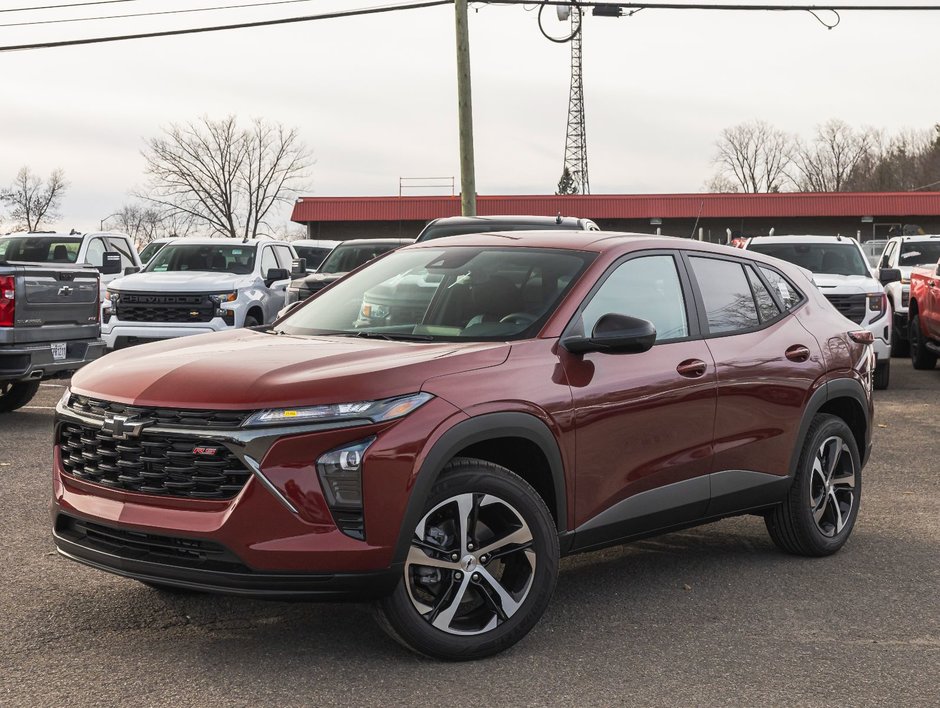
[711, 616]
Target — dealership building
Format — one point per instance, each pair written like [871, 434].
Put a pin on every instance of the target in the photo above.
[711, 217]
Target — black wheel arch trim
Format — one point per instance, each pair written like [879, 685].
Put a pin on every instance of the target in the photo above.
[489, 426]
[829, 391]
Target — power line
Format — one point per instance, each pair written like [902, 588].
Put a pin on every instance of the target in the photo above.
[637, 6]
[62, 7]
[154, 13]
[221, 28]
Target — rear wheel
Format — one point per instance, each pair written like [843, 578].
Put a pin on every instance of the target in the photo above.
[820, 510]
[882, 375]
[921, 357]
[16, 394]
[481, 566]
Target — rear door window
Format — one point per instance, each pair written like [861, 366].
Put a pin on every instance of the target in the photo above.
[726, 295]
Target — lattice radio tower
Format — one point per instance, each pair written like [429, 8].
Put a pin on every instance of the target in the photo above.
[576, 161]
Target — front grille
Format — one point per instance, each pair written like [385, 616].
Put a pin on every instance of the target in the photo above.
[152, 464]
[135, 545]
[145, 307]
[851, 306]
[174, 417]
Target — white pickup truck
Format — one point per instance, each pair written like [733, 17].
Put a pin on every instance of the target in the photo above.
[196, 286]
[906, 253]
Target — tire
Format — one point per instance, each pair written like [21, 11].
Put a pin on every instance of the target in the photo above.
[899, 345]
[499, 599]
[822, 505]
[921, 357]
[882, 375]
[251, 321]
[16, 394]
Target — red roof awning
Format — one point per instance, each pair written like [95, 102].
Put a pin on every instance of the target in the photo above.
[625, 206]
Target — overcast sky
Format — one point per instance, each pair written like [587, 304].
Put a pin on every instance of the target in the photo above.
[375, 97]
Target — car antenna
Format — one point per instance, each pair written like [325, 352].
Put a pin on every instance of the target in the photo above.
[701, 208]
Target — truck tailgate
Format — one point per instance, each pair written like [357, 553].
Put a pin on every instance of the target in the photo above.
[55, 304]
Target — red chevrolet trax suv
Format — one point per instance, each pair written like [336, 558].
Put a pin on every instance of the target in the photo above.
[529, 395]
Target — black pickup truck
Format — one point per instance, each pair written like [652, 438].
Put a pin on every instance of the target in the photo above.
[49, 324]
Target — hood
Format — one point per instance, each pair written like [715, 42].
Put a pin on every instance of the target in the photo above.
[247, 370]
[179, 282]
[316, 281]
[846, 284]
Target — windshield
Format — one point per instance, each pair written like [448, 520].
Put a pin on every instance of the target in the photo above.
[207, 258]
[822, 258]
[42, 249]
[347, 257]
[313, 254]
[449, 294]
[150, 250]
[919, 254]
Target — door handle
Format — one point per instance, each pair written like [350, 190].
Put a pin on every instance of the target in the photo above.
[797, 353]
[692, 368]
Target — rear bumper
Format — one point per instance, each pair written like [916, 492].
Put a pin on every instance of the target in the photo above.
[35, 361]
[72, 544]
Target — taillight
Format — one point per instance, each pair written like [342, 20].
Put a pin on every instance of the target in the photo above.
[7, 301]
[862, 336]
[878, 304]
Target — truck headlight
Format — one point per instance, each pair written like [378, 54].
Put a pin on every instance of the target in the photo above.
[224, 297]
[371, 411]
[879, 304]
[112, 296]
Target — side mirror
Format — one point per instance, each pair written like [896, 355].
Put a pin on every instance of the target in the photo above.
[889, 275]
[130, 270]
[298, 267]
[615, 334]
[110, 263]
[276, 274]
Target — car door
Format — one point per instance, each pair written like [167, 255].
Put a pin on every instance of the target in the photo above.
[644, 421]
[767, 365]
[276, 291]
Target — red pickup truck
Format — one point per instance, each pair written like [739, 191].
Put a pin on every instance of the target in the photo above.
[925, 316]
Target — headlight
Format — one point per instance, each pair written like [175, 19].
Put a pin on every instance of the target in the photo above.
[224, 297]
[112, 296]
[66, 397]
[373, 411]
[373, 312]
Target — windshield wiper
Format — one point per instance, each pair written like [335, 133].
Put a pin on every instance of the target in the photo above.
[391, 337]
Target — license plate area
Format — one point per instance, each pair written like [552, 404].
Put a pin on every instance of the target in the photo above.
[58, 351]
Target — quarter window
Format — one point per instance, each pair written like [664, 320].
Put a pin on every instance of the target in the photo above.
[647, 287]
[766, 307]
[788, 295]
[729, 302]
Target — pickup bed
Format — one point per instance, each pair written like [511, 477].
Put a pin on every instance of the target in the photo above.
[924, 309]
[49, 324]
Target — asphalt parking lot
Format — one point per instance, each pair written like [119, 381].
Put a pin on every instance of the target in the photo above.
[711, 616]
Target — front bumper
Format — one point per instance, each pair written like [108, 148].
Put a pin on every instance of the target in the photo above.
[35, 361]
[118, 334]
[71, 542]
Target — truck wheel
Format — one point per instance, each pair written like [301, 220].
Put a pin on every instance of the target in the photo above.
[882, 375]
[921, 357]
[819, 512]
[251, 321]
[16, 394]
[899, 345]
[481, 566]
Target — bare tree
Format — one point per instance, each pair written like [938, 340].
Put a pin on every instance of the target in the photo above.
[720, 184]
[146, 223]
[31, 202]
[754, 156]
[827, 163]
[225, 177]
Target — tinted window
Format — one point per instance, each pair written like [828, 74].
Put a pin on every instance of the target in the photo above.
[347, 257]
[729, 303]
[919, 253]
[646, 287]
[788, 295]
[824, 258]
[149, 250]
[40, 250]
[766, 307]
[313, 254]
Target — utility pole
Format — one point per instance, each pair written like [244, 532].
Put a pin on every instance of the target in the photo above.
[576, 161]
[468, 184]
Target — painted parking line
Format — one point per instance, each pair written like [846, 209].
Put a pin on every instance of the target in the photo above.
[47, 385]
[38, 408]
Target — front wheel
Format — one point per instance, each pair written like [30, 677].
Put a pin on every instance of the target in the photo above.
[481, 566]
[921, 357]
[16, 394]
[821, 507]
[882, 375]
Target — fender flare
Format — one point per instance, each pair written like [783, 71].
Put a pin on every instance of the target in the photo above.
[837, 388]
[489, 426]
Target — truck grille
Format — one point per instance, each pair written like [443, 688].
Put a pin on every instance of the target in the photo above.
[193, 553]
[145, 307]
[152, 464]
[178, 418]
[851, 306]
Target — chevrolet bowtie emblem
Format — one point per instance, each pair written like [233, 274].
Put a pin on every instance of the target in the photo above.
[122, 427]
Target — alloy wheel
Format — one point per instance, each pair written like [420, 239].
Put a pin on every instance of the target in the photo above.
[470, 565]
[832, 486]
